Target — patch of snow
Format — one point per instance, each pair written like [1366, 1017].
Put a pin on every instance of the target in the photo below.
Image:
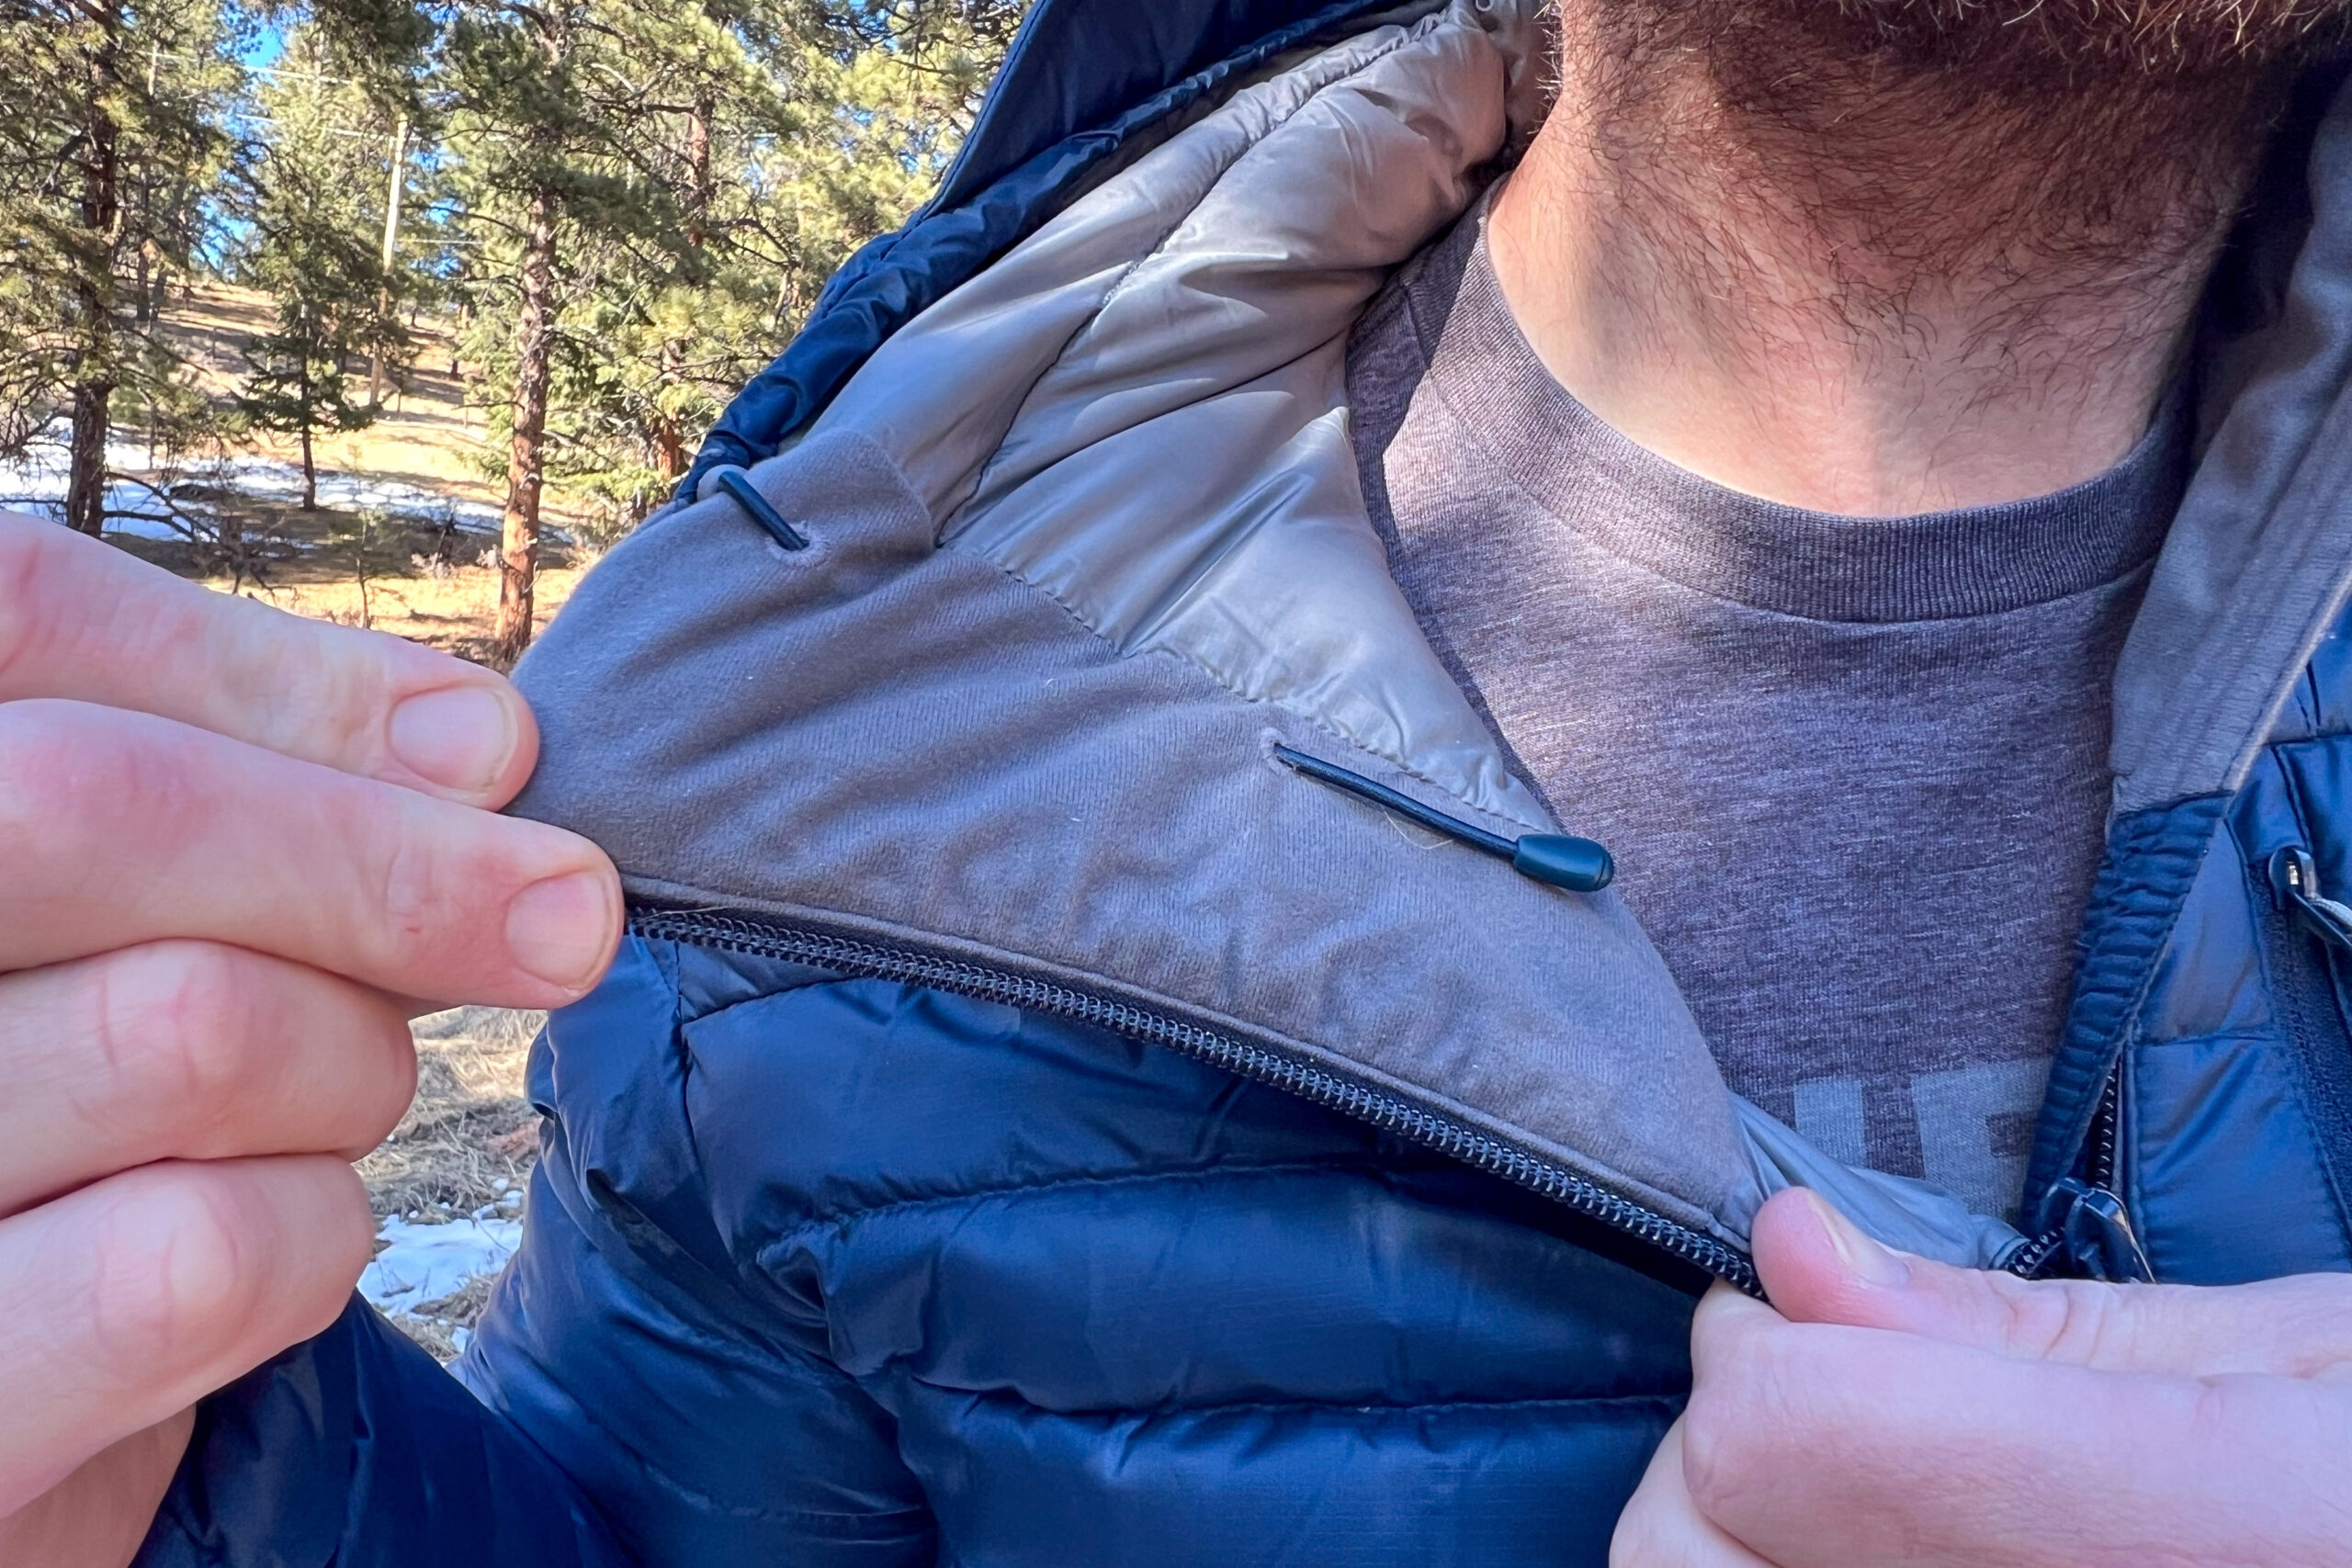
[424, 1263]
[36, 482]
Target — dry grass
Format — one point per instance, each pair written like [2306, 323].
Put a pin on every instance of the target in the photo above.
[470, 1129]
[431, 433]
[410, 588]
[435, 1325]
[454, 611]
[441, 590]
[467, 1144]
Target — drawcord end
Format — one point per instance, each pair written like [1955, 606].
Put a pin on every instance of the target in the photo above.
[738, 486]
[1575, 866]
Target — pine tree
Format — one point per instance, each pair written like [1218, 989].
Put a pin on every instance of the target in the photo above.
[793, 136]
[313, 200]
[660, 191]
[110, 117]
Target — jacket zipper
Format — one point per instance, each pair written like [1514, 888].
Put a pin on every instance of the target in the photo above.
[2086, 1223]
[2309, 985]
[855, 958]
[2089, 1223]
[2086, 1219]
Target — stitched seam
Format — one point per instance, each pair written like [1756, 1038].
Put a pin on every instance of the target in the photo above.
[1322, 725]
[704, 1501]
[841, 1218]
[2092, 995]
[1111, 297]
[1125, 281]
[1350, 1406]
[1657, 573]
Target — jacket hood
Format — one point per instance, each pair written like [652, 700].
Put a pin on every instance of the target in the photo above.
[1088, 544]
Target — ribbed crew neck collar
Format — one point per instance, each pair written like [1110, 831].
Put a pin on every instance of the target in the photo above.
[1785, 560]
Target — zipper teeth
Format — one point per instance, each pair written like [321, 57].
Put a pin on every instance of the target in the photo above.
[2106, 1131]
[2030, 1262]
[2308, 1001]
[848, 956]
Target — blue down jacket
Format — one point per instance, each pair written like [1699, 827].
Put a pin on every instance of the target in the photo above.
[1036, 1119]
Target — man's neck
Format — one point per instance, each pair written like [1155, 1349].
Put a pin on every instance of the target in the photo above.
[1830, 282]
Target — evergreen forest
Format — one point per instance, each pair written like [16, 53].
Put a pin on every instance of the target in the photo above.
[598, 218]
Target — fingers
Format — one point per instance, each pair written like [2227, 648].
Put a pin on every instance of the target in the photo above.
[127, 1301]
[1818, 1268]
[98, 1515]
[189, 1051]
[1818, 1446]
[83, 621]
[191, 835]
[1662, 1527]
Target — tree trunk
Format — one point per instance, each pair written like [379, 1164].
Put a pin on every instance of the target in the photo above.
[391, 256]
[669, 441]
[533, 332]
[86, 474]
[302, 424]
[668, 449]
[86, 481]
[309, 472]
[698, 174]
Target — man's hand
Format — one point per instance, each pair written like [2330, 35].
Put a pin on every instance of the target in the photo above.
[1894, 1412]
[240, 849]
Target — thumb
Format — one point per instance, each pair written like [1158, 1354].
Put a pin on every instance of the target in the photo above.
[1818, 1267]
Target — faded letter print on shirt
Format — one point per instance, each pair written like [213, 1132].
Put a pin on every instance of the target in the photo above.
[1854, 770]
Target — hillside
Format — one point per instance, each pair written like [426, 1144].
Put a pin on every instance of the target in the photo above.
[406, 532]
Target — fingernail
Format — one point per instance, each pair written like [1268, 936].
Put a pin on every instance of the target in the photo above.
[560, 929]
[460, 738]
[1868, 1262]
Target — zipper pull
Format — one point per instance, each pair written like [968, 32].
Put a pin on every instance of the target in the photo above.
[2294, 883]
[1579, 865]
[2093, 1229]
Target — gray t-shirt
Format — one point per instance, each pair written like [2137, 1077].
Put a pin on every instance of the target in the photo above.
[1853, 768]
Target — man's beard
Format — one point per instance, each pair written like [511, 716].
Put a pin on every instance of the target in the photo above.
[2008, 158]
[2086, 131]
[2018, 41]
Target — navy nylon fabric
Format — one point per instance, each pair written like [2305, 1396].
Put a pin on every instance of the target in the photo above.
[824, 1271]
[1056, 114]
[2223, 1023]
[1084, 62]
[840, 1271]
[355, 1450]
[2151, 858]
[821, 1272]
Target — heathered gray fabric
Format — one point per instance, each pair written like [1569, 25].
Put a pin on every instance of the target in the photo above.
[1853, 770]
[902, 741]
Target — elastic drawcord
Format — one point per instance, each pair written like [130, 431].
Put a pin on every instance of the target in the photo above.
[1578, 866]
[738, 484]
